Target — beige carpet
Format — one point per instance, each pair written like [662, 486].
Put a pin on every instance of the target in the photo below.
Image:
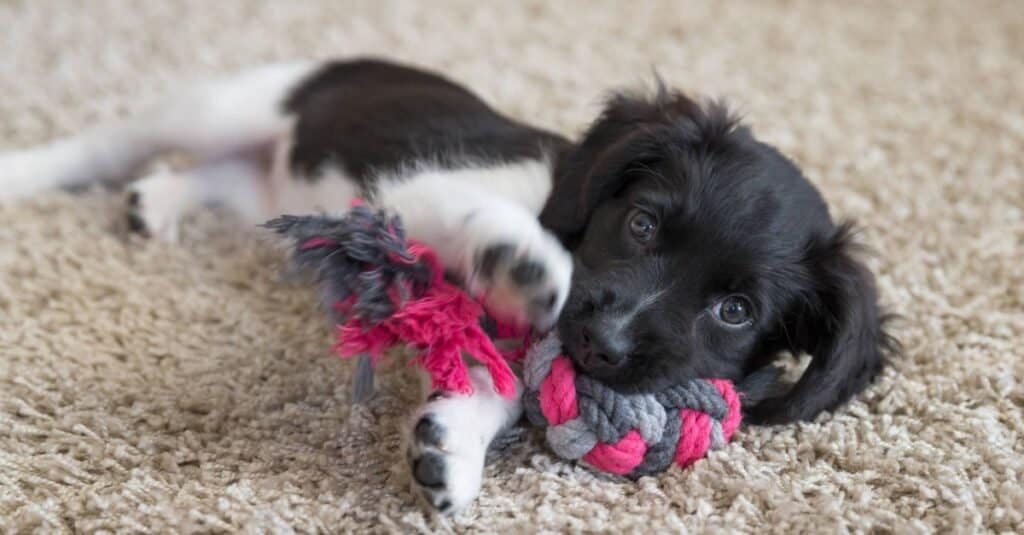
[154, 388]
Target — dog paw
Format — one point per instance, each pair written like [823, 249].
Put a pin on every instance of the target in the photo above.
[521, 270]
[155, 205]
[446, 460]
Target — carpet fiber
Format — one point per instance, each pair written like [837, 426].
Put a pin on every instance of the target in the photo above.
[155, 388]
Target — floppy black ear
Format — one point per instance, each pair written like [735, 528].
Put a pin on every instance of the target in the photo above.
[841, 326]
[632, 132]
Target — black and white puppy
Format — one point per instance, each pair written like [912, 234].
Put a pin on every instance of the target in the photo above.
[696, 250]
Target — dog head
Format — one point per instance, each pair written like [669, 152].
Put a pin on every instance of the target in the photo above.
[702, 252]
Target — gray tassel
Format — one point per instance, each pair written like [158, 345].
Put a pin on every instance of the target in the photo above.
[362, 380]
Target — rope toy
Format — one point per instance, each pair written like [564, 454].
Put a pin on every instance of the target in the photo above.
[383, 290]
[631, 435]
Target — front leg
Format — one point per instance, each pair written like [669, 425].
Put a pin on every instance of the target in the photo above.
[448, 441]
[495, 245]
[501, 252]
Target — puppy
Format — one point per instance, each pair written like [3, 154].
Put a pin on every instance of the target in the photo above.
[696, 250]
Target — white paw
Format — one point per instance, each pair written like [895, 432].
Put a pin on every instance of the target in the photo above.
[521, 270]
[156, 204]
[446, 451]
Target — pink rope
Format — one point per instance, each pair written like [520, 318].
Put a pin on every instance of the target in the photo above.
[619, 458]
[441, 324]
[558, 393]
[732, 421]
[694, 437]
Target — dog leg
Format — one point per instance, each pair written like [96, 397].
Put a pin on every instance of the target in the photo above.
[207, 121]
[448, 442]
[157, 202]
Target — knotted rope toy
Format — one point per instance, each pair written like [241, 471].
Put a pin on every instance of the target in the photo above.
[631, 435]
[383, 291]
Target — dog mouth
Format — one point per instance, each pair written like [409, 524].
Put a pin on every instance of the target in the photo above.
[623, 375]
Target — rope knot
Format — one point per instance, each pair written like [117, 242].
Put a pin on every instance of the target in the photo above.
[630, 435]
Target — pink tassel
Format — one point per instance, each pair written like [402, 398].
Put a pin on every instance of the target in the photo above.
[441, 323]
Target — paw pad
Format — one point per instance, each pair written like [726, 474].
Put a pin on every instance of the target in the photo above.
[428, 432]
[429, 470]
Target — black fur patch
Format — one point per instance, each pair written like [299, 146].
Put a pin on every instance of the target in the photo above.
[372, 116]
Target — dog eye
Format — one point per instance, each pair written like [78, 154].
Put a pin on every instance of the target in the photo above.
[642, 225]
[734, 310]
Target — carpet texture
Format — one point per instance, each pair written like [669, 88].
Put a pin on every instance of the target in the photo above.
[155, 388]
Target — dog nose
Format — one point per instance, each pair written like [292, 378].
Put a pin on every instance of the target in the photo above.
[606, 344]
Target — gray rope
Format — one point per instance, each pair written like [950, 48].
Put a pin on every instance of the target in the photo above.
[571, 440]
[660, 456]
[613, 414]
[695, 395]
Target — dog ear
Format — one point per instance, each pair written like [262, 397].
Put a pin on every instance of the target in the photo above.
[841, 326]
[631, 133]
